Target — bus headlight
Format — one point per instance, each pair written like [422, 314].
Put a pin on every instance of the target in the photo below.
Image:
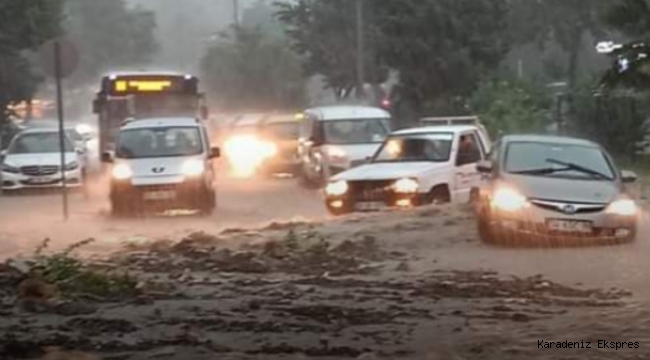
[193, 167]
[406, 186]
[122, 171]
[337, 188]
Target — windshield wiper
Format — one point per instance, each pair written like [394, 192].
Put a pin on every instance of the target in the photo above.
[542, 171]
[579, 168]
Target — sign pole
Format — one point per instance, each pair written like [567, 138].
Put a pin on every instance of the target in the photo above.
[59, 104]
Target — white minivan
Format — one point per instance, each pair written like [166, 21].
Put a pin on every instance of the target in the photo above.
[334, 139]
[162, 163]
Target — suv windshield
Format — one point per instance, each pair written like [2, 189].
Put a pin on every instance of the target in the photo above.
[356, 131]
[435, 147]
[159, 142]
[557, 160]
[39, 143]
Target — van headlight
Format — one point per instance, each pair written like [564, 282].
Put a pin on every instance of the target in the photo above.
[406, 186]
[193, 167]
[508, 200]
[122, 171]
[623, 207]
[337, 188]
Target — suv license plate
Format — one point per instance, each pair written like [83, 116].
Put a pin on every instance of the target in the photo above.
[369, 206]
[160, 195]
[570, 226]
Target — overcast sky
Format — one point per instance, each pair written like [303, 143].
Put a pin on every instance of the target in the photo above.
[184, 25]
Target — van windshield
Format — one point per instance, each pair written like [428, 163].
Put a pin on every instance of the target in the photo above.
[356, 131]
[159, 142]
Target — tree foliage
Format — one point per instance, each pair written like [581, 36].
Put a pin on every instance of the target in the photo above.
[24, 26]
[246, 69]
[109, 36]
[323, 33]
[512, 106]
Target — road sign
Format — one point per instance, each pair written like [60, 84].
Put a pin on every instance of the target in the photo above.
[69, 57]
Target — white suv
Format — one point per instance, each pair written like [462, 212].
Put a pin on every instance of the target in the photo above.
[162, 163]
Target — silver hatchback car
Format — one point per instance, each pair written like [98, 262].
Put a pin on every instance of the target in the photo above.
[549, 190]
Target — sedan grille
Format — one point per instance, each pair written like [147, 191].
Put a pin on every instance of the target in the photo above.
[39, 170]
[569, 208]
[371, 190]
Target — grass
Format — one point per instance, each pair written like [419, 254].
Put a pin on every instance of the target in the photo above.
[73, 280]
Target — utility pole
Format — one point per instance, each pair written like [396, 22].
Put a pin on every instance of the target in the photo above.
[360, 51]
[235, 12]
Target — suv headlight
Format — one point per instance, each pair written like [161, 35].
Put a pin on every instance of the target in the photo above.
[508, 200]
[193, 167]
[337, 188]
[71, 166]
[406, 186]
[10, 169]
[623, 207]
[122, 171]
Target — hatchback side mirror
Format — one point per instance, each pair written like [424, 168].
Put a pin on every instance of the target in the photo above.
[484, 167]
[628, 176]
[107, 157]
[215, 153]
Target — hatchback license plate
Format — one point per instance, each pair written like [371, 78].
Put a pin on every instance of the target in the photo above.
[369, 206]
[160, 195]
[570, 226]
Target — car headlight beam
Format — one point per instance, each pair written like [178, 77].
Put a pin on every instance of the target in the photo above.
[337, 188]
[623, 207]
[122, 172]
[406, 186]
[508, 200]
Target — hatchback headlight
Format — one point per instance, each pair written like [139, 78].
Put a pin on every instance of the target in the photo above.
[508, 200]
[10, 169]
[623, 207]
[337, 188]
[193, 167]
[122, 171]
[406, 186]
[71, 166]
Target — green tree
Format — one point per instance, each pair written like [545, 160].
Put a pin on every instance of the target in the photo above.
[323, 33]
[247, 70]
[109, 36]
[512, 106]
[24, 26]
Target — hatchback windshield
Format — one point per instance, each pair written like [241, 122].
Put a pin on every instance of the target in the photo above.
[282, 131]
[356, 131]
[434, 147]
[159, 142]
[557, 160]
[39, 143]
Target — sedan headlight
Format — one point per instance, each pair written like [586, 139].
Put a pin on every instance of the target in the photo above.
[337, 188]
[508, 200]
[71, 166]
[122, 171]
[10, 169]
[193, 167]
[406, 186]
[623, 207]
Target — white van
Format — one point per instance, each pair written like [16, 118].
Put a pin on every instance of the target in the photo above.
[162, 163]
[334, 139]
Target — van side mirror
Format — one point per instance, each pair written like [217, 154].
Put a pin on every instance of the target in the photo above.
[628, 176]
[107, 157]
[484, 167]
[215, 153]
